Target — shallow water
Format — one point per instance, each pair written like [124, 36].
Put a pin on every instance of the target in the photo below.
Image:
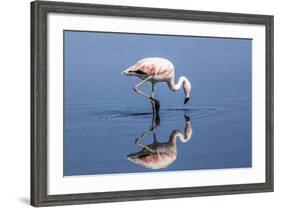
[103, 116]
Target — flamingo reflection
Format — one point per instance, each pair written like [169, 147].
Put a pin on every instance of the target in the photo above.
[160, 155]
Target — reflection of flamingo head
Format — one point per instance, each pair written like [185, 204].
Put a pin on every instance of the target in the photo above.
[156, 159]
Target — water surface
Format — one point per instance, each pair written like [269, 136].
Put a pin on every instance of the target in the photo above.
[103, 116]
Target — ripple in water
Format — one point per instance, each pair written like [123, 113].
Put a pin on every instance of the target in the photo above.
[170, 113]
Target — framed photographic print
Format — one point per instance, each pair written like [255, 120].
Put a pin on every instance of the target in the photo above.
[132, 103]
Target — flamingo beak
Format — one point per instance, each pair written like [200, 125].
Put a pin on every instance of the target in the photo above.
[186, 100]
[127, 72]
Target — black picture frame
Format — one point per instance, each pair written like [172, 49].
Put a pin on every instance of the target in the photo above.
[39, 98]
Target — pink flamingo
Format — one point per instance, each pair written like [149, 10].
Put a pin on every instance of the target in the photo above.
[156, 69]
[160, 155]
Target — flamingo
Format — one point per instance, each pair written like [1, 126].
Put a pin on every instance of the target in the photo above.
[160, 155]
[154, 70]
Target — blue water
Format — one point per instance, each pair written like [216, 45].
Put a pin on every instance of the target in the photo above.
[103, 115]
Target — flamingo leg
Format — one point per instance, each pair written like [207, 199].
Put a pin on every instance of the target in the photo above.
[153, 91]
[155, 103]
[143, 145]
[142, 136]
[136, 89]
[137, 141]
[155, 107]
[147, 148]
[153, 97]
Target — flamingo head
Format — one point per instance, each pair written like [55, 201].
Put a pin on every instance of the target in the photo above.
[187, 90]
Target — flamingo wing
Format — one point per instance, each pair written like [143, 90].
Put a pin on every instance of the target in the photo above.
[144, 68]
[150, 67]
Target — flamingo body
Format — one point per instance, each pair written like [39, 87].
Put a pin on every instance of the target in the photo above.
[160, 69]
[164, 155]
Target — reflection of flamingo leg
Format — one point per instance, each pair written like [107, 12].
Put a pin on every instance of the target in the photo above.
[137, 141]
[146, 147]
[142, 136]
[154, 125]
[154, 137]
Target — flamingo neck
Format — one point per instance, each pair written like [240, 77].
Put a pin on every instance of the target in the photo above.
[183, 81]
[176, 134]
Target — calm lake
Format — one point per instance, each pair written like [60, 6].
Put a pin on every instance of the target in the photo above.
[103, 115]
